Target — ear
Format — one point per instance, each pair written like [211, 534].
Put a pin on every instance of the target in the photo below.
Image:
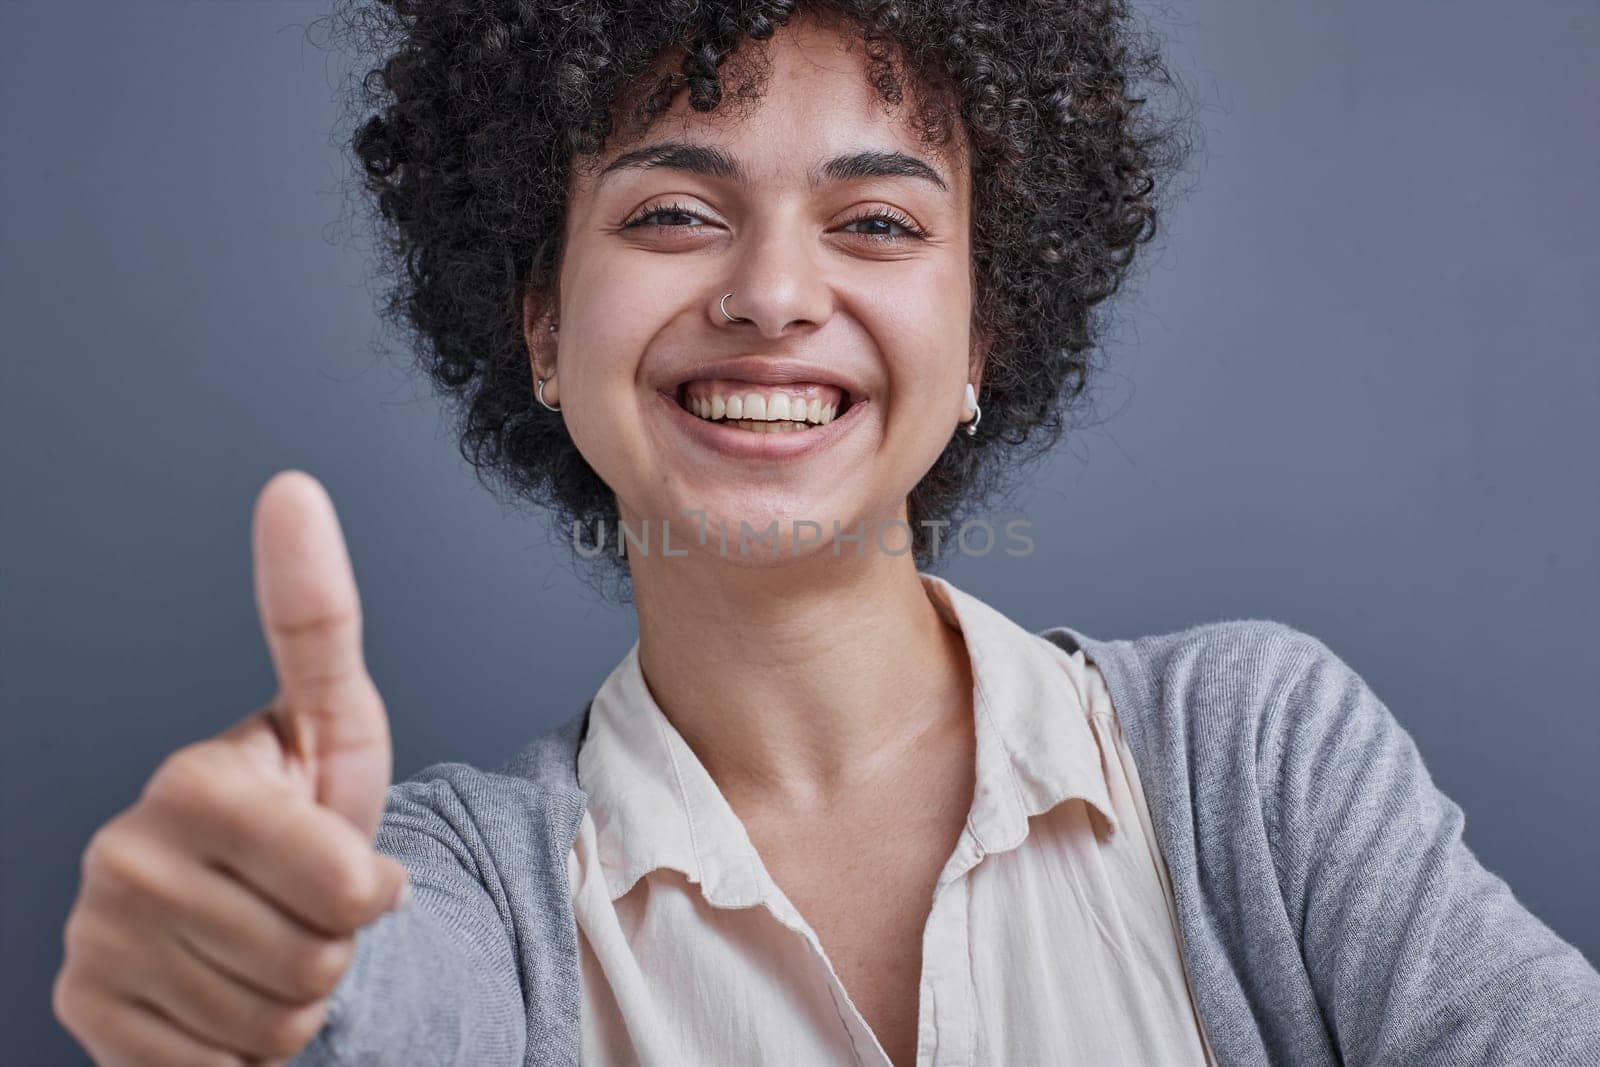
[979, 359]
[536, 333]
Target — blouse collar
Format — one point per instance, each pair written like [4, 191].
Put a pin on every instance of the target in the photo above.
[654, 804]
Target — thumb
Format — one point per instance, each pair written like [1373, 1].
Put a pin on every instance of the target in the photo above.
[329, 717]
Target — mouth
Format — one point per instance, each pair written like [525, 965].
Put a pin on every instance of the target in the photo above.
[810, 419]
[757, 407]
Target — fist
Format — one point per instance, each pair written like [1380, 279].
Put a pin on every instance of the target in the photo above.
[217, 914]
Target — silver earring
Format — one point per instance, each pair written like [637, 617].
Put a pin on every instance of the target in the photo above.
[553, 327]
[538, 391]
[977, 412]
[723, 304]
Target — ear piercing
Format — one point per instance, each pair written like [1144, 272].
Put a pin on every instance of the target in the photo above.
[538, 384]
[538, 392]
[972, 406]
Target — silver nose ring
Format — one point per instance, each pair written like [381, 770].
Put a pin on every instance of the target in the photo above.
[723, 304]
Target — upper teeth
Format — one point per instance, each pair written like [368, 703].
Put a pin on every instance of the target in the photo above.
[762, 407]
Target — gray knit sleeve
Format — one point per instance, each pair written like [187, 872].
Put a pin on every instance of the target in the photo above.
[435, 982]
[1417, 954]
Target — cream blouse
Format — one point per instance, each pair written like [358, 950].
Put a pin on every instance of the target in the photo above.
[1052, 938]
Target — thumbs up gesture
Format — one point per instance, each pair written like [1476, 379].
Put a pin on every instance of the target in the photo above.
[217, 914]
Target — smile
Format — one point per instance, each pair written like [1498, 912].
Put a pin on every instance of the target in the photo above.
[793, 407]
[767, 422]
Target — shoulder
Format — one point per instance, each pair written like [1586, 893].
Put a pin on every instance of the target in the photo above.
[1233, 652]
[548, 764]
[1264, 713]
[1239, 714]
[532, 796]
[1221, 679]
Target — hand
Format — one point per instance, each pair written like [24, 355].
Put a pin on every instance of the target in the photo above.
[216, 915]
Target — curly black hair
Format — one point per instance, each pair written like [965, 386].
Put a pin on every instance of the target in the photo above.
[469, 119]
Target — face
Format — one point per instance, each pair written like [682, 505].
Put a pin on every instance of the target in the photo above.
[845, 244]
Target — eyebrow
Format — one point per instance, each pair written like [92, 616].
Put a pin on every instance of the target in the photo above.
[713, 162]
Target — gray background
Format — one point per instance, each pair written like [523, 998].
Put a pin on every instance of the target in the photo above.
[1356, 391]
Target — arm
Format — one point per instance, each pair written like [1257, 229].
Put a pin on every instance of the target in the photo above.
[1417, 953]
[435, 982]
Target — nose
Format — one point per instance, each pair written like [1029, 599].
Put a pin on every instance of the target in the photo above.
[778, 286]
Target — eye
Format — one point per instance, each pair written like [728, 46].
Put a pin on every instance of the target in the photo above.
[642, 220]
[912, 231]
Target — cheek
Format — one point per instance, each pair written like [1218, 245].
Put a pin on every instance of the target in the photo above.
[926, 330]
[602, 401]
[612, 319]
[602, 307]
[608, 320]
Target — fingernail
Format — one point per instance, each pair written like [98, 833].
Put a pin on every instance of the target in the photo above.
[403, 896]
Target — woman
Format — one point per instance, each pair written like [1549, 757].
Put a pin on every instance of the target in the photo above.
[775, 332]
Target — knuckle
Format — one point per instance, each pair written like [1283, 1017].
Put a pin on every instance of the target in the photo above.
[112, 857]
[197, 1057]
[316, 971]
[326, 618]
[352, 893]
[285, 1031]
[101, 844]
[186, 780]
[97, 945]
[66, 999]
[74, 942]
[119, 863]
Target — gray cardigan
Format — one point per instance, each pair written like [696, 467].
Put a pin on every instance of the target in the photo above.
[1328, 909]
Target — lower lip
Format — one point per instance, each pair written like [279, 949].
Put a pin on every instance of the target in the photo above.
[755, 444]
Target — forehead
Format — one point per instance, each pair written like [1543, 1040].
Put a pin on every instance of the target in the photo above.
[817, 119]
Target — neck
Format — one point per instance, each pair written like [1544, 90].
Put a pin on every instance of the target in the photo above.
[801, 683]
